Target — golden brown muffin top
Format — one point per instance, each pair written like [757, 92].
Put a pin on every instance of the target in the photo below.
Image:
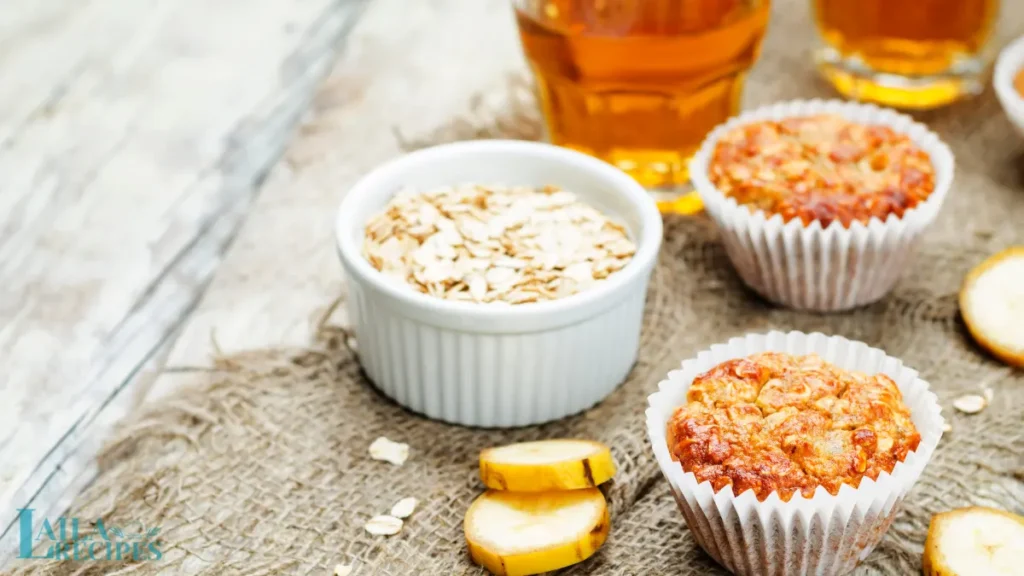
[823, 168]
[775, 422]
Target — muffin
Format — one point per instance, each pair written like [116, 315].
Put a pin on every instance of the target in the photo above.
[822, 168]
[790, 453]
[778, 423]
[820, 203]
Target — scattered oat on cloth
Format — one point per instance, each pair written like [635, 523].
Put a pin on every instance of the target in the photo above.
[389, 451]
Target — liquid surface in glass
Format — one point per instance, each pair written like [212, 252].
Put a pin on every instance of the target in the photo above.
[639, 83]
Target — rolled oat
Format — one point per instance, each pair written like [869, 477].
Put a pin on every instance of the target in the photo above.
[388, 451]
[495, 244]
[383, 525]
[404, 508]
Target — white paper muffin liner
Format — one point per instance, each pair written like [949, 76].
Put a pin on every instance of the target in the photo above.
[822, 535]
[808, 267]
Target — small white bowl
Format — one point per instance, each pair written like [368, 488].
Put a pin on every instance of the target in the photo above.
[498, 366]
[1009, 63]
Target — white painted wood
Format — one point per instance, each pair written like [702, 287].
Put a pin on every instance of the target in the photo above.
[133, 135]
[409, 67]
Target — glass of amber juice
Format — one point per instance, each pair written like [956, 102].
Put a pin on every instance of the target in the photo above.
[914, 54]
[639, 83]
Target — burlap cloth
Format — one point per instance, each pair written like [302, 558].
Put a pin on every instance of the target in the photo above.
[265, 469]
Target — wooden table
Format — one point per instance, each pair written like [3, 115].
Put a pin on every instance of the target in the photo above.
[169, 173]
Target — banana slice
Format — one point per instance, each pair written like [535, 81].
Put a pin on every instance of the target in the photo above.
[518, 533]
[974, 542]
[546, 465]
[992, 304]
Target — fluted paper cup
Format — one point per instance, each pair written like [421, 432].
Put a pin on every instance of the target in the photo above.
[824, 534]
[805, 266]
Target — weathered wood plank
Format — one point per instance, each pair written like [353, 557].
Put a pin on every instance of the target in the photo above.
[133, 136]
[397, 75]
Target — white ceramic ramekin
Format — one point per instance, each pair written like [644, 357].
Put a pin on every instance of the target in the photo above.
[498, 366]
[1009, 63]
[824, 534]
[808, 267]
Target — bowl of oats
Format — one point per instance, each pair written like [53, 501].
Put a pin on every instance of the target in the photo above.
[497, 283]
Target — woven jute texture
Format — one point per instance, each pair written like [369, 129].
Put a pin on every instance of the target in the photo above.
[265, 468]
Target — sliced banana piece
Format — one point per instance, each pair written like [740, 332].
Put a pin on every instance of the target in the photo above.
[519, 533]
[974, 542]
[546, 465]
[992, 304]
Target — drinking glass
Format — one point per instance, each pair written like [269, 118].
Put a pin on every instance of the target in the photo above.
[913, 54]
[639, 83]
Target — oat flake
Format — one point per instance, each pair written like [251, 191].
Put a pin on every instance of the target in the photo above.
[383, 525]
[404, 507]
[343, 570]
[970, 403]
[394, 452]
[495, 244]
